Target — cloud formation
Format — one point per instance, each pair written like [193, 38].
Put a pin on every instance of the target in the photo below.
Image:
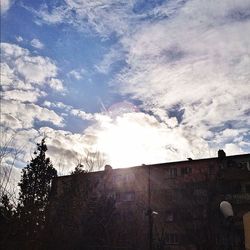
[20, 67]
[77, 74]
[5, 5]
[36, 43]
[23, 80]
[197, 63]
[186, 63]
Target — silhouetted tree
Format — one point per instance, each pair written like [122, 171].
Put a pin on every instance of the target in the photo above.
[91, 161]
[79, 169]
[34, 186]
[9, 154]
[80, 215]
[7, 216]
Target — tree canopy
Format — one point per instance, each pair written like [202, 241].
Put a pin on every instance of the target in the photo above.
[34, 186]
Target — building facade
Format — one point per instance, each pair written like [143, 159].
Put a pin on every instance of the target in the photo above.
[162, 206]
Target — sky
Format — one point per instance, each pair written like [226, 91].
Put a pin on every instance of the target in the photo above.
[139, 81]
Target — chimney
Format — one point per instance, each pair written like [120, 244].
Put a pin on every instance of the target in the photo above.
[221, 154]
[107, 168]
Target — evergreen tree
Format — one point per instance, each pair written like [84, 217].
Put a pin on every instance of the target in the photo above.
[34, 193]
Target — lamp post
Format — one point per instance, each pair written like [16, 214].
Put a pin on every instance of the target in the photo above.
[227, 211]
[150, 212]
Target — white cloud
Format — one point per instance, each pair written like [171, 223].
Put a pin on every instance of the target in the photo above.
[5, 5]
[25, 114]
[111, 57]
[23, 95]
[72, 111]
[81, 114]
[77, 74]
[22, 77]
[12, 50]
[64, 148]
[57, 15]
[59, 105]
[233, 149]
[35, 69]
[21, 66]
[10, 121]
[19, 39]
[102, 17]
[56, 84]
[37, 44]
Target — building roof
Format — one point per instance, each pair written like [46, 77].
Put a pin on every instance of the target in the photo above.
[175, 163]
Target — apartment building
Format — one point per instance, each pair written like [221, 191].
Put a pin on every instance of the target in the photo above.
[168, 206]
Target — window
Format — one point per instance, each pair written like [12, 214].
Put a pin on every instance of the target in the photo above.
[126, 196]
[247, 187]
[130, 177]
[128, 216]
[121, 179]
[172, 238]
[118, 179]
[245, 165]
[199, 212]
[129, 196]
[200, 192]
[172, 172]
[169, 216]
[186, 170]
[111, 195]
[230, 188]
[235, 188]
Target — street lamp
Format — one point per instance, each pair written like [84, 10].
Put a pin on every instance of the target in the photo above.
[227, 211]
[150, 213]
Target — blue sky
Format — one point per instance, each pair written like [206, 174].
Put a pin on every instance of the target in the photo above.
[140, 81]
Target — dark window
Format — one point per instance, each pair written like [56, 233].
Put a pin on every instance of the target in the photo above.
[129, 196]
[230, 188]
[199, 212]
[186, 170]
[172, 238]
[121, 179]
[128, 215]
[111, 195]
[245, 165]
[169, 216]
[126, 196]
[129, 177]
[247, 186]
[235, 188]
[118, 179]
[173, 172]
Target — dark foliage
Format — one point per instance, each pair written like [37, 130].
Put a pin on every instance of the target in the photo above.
[80, 217]
[34, 185]
[79, 169]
